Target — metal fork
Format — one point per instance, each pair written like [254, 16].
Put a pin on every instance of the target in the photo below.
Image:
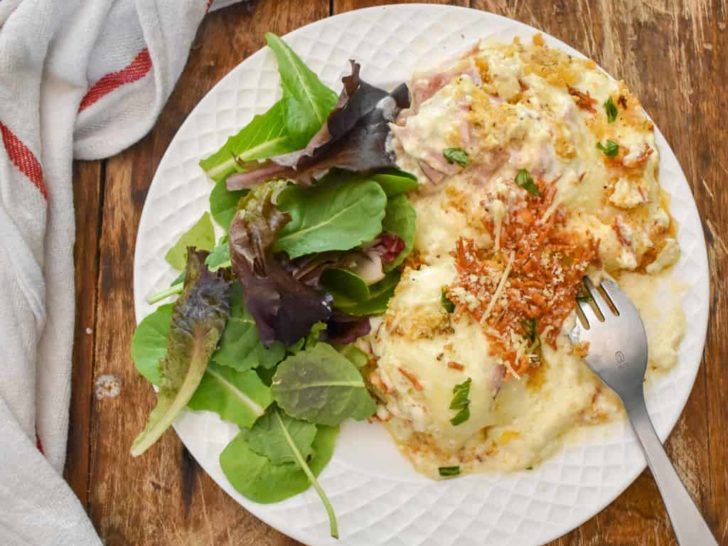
[617, 353]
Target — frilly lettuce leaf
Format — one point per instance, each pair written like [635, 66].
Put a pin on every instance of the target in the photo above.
[198, 320]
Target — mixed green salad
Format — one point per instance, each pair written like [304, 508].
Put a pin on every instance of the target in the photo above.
[315, 228]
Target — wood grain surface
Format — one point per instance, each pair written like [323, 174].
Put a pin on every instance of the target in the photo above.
[672, 53]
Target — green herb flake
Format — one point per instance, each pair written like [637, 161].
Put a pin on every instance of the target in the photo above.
[531, 327]
[446, 302]
[449, 471]
[525, 180]
[456, 155]
[611, 148]
[611, 109]
[461, 402]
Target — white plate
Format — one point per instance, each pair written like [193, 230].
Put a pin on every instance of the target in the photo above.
[379, 499]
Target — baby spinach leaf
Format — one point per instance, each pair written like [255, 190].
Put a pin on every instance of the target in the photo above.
[321, 386]
[265, 136]
[257, 478]
[200, 236]
[198, 319]
[343, 281]
[149, 343]
[267, 437]
[395, 182]
[379, 296]
[400, 219]
[330, 216]
[307, 101]
[238, 397]
[224, 203]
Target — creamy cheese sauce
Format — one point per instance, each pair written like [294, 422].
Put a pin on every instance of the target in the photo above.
[512, 107]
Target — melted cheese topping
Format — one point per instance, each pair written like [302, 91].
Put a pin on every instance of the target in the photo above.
[512, 107]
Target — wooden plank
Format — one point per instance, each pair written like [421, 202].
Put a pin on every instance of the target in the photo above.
[340, 6]
[87, 203]
[162, 497]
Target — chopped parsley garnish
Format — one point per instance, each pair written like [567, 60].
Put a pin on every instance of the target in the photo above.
[456, 155]
[446, 302]
[583, 296]
[461, 402]
[448, 471]
[611, 109]
[525, 180]
[531, 327]
[611, 149]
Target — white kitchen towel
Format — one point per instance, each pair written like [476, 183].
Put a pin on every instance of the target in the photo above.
[77, 78]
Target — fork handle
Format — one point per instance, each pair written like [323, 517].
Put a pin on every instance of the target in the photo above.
[687, 522]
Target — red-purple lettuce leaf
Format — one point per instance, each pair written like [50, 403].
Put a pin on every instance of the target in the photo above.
[198, 320]
[354, 138]
[284, 307]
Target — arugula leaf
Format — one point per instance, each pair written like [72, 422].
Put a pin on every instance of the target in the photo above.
[321, 386]
[379, 296]
[200, 236]
[343, 281]
[257, 478]
[224, 203]
[611, 149]
[456, 155]
[330, 216]
[611, 109]
[461, 402]
[265, 136]
[449, 471]
[266, 437]
[400, 219]
[395, 182]
[525, 180]
[238, 397]
[149, 343]
[198, 320]
[307, 100]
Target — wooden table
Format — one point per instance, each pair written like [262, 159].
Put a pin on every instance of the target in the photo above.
[671, 53]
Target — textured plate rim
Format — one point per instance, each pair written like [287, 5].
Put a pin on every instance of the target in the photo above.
[702, 292]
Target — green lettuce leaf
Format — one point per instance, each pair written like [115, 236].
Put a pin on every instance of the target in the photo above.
[149, 343]
[395, 182]
[240, 347]
[267, 437]
[200, 236]
[307, 100]
[265, 136]
[224, 203]
[238, 397]
[321, 386]
[400, 219]
[376, 304]
[330, 216]
[198, 320]
[257, 478]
